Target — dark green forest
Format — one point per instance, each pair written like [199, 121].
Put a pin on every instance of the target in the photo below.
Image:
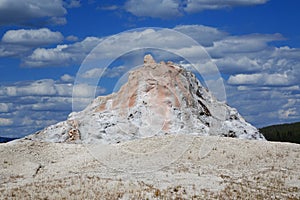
[282, 132]
[6, 139]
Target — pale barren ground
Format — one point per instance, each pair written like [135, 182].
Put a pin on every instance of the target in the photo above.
[168, 167]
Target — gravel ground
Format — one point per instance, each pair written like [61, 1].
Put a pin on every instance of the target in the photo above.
[166, 167]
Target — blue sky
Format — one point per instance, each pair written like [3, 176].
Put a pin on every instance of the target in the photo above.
[254, 43]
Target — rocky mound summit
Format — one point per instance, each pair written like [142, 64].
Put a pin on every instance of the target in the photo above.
[158, 99]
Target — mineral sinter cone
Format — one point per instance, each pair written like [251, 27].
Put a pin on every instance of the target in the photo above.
[158, 99]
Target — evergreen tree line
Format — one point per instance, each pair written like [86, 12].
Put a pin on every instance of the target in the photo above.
[282, 132]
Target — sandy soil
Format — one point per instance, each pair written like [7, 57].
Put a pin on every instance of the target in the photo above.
[168, 167]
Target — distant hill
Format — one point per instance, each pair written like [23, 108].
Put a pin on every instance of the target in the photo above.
[5, 139]
[282, 132]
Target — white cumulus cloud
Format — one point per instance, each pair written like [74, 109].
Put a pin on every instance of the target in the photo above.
[5, 107]
[61, 55]
[72, 38]
[33, 105]
[67, 78]
[167, 9]
[15, 12]
[18, 43]
[93, 73]
[200, 5]
[5, 122]
[32, 37]
[73, 3]
[159, 8]
[284, 114]
[242, 44]
[260, 79]
[205, 35]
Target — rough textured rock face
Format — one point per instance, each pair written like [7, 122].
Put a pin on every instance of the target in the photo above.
[159, 98]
